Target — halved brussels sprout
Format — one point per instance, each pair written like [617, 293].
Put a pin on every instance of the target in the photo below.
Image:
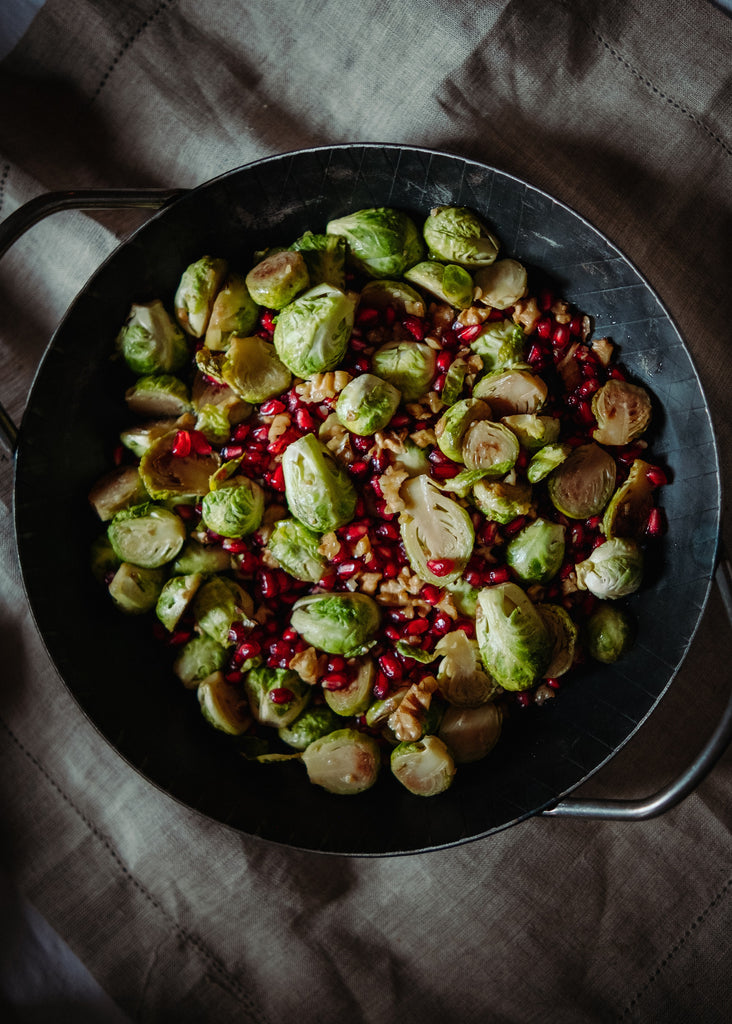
[408, 365]
[276, 695]
[205, 393]
[512, 391]
[325, 256]
[501, 344]
[158, 395]
[412, 460]
[343, 762]
[147, 535]
[210, 364]
[366, 404]
[502, 284]
[545, 460]
[103, 560]
[425, 767]
[455, 234]
[614, 569]
[168, 476]
[447, 282]
[583, 483]
[295, 548]
[514, 642]
[454, 381]
[278, 278]
[627, 512]
[534, 432]
[501, 501]
[219, 604]
[609, 633]
[318, 491]
[337, 623]
[382, 242]
[121, 488]
[207, 559]
[310, 725]
[197, 289]
[536, 552]
[461, 678]
[253, 370]
[401, 297]
[355, 698]
[139, 437]
[234, 510]
[564, 633]
[451, 426]
[199, 658]
[490, 447]
[176, 595]
[436, 531]
[223, 705]
[234, 311]
[135, 589]
[311, 334]
[471, 733]
[151, 341]
[622, 410]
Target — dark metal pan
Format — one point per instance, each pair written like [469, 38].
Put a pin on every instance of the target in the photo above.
[121, 678]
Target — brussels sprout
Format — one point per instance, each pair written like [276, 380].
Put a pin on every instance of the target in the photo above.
[325, 256]
[564, 639]
[512, 391]
[147, 535]
[366, 404]
[436, 531]
[461, 677]
[176, 595]
[103, 560]
[609, 633]
[276, 695]
[500, 344]
[622, 410]
[135, 589]
[234, 511]
[158, 395]
[449, 283]
[533, 432]
[234, 312]
[151, 341]
[397, 295]
[490, 447]
[318, 491]
[545, 460]
[583, 483]
[613, 569]
[536, 552]
[206, 392]
[197, 289]
[381, 710]
[455, 234]
[454, 381]
[213, 422]
[206, 559]
[502, 284]
[311, 334]
[514, 642]
[223, 705]
[471, 733]
[117, 490]
[408, 365]
[219, 604]
[425, 767]
[210, 364]
[139, 437]
[169, 476]
[310, 725]
[344, 762]
[295, 548]
[501, 501]
[412, 460]
[451, 426]
[627, 512]
[382, 242]
[355, 698]
[277, 279]
[253, 370]
[464, 596]
[197, 659]
[338, 623]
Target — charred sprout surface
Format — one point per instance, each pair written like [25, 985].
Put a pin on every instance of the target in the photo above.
[375, 494]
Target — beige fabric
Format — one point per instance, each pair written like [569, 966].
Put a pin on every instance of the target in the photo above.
[623, 111]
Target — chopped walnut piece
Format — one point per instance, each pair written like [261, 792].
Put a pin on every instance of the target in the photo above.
[309, 665]
[473, 315]
[329, 546]
[407, 721]
[369, 581]
[389, 441]
[337, 439]
[568, 368]
[561, 312]
[321, 386]
[278, 426]
[441, 314]
[390, 481]
[543, 693]
[527, 313]
[424, 438]
[434, 402]
[603, 349]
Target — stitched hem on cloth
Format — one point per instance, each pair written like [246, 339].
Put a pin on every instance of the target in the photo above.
[130, 41]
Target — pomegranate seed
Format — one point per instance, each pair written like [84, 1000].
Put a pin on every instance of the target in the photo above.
[281, 695]
[449, 338]
[655, 524]
[381, 686]
[328, 580]
[500, 575]
[441, 624]
[444, 361]
[656, 476]
[560, 336]
[417, 627]
[544, 328]
[272, 407]
[575, 326]
[381, 461]
[276, 479]
[362, 364]
[246, 650]
[367, 316]
[390, 571]
[233, 677]
[546, 300]
[354, 531]
[349, 568]
[235, 545]
[390, 666]
[182, 444]
[470, 333]
[392, 633]
[180, 636]
[616, 374]
[554, 683]
[585, 414]
[589, 387]
[267, 583]
[199, 443]
[523, 699]
[593, 523]
[267, 320]
[630, 454]
[515, 525]
[535, 355]
[441, 566]
[438, 383]
[247, 562]
[118, 454]
[389, 315]
[474, 577]
[232, 451]
[358, 468]
[335, 681]
[304, 420]
[445, 472]
[431, 593]
[415, 326]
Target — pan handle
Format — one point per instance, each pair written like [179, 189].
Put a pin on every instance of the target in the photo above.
[672, 794]
[14, 226]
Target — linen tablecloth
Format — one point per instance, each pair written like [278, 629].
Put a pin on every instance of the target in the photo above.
[622, 110]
